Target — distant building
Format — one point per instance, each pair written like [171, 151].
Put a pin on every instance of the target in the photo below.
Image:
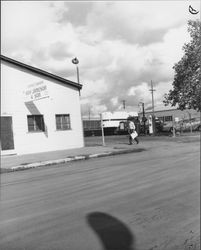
[166, 119]
[92, 127]
[111, 122]
[170, 114]
[39, 111]
[115, 123]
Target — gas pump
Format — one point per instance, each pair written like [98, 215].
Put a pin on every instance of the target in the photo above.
[150, 122]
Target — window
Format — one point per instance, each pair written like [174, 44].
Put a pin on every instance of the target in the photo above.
[35, 123]
[168, 118]
[63, 122]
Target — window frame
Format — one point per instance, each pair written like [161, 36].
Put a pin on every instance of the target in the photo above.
[168, 118]
[63, 122]
[37, 127]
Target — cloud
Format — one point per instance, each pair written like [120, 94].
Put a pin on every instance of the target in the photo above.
[59, 51]
[93, 108]
[141, 22]
[21, 20]
[74, 12]
[121, 46]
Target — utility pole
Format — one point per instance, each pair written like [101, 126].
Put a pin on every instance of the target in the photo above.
[89, 113]
[143, 117]
[152, 95]
[102, 130]
[153, 114]
[124, 104]
[189, 116]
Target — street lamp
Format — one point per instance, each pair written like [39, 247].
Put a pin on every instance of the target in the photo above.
[75, 61]
[143, 117]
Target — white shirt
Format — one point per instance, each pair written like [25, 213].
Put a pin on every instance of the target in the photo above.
[131, 125]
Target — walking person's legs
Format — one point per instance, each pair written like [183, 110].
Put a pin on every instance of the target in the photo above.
[130, 137]
[136, 139]
[130, 140]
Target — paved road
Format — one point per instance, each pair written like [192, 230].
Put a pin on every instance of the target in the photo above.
[139, 201]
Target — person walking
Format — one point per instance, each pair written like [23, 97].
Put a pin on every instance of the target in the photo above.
[132, 132]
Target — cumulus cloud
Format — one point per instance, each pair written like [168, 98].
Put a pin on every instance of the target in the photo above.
[138, 22]
[74, 12]
[121, 45]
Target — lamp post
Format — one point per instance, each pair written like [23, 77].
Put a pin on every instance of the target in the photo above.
[75, 61]
[143, 117]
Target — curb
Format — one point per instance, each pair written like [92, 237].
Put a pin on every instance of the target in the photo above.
[68, 159]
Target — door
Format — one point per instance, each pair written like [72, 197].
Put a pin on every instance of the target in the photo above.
[7, 142]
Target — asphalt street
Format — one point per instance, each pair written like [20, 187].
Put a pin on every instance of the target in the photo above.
[140, 201]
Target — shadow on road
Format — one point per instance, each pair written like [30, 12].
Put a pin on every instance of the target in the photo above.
[114, 234]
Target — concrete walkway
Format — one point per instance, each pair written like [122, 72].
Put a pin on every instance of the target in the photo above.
[21, 162]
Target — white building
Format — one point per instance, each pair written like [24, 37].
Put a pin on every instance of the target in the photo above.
[111, 120]
[40, 111]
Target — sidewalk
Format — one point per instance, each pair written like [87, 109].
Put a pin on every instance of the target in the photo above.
[114, 146]
[21, 162]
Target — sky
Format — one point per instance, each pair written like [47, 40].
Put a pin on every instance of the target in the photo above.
[121, 46]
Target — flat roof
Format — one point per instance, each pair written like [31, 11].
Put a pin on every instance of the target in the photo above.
[40, 72]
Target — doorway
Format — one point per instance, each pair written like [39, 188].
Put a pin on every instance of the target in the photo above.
[7, 141]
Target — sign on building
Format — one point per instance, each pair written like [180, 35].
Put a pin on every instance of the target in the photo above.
[36, 91]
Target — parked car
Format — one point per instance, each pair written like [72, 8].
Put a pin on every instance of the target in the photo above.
[188, 124]
[167, 126]
[183, 125]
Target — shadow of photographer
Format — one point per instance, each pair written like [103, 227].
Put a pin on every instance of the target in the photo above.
[113, 234]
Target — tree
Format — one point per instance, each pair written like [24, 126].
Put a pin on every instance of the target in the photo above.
[186, 91]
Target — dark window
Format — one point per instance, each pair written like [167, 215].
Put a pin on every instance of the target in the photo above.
[63, 122]
[168, 118]
[35, 123]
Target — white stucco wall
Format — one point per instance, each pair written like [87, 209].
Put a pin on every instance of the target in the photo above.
[63, 99]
